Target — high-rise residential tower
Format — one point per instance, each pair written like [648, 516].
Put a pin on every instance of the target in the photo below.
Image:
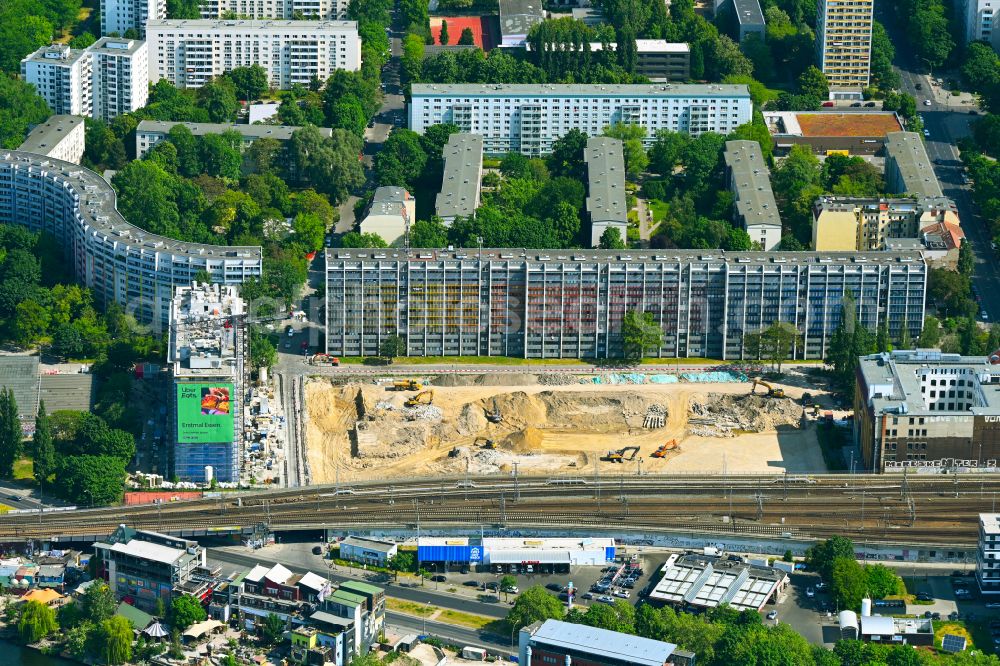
[844, 45]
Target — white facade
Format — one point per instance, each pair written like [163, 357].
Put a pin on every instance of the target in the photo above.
[565, 551]
[988, 555]
[190, 53]
[120, 15]
[275, 9]
[63, 77]
[977, 20]
[59, 137]
[116, 260]
[121, 76]
[529, 118]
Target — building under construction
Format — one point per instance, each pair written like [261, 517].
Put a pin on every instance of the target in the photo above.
[207, 349]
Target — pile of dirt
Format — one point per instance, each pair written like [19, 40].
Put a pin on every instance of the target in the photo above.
[717, 415]
[471, 420]
[578, 410]
[486, 379]
[524, 441]
[558, 379]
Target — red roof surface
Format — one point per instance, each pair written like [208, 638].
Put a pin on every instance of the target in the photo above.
[482, 33]
[845, 124]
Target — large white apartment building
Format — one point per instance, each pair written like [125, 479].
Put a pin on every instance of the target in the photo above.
[121, 76]
[844, 45]
[104, 80]
[118, 261]
[59, 137]
[529, 118]
[120, 15]
[977, 20]
[63, 77]
[988, 555]
[275, 9]
[189, 53]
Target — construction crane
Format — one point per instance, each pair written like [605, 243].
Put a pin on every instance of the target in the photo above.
[422, 398]
[407, 385]
[494, 415]
[772, 392]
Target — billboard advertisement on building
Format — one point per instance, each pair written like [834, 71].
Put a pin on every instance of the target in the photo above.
[204, 413]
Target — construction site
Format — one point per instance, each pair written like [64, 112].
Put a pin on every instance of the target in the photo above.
[555, 424]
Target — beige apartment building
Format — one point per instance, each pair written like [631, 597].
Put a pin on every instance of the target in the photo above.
[844, 44]
[845, 223]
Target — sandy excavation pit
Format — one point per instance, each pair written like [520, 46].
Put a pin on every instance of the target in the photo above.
[363, 431]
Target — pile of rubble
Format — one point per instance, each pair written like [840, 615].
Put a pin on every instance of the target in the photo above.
[729, 415]
[656, 416]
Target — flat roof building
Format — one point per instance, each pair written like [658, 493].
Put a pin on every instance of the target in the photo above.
[892, 630]
[119, 16]
[59, 137]
[517, 18]
[988, 554]
[557, 642]
[274, 9]
[606, 188]
[461, 183]
[750, 18]
[207, 349]
[656, 59]
[756, 211]
[861, 223]
[908, 170]
[189, 53]
[63, 77]
[528, 118]
[367, 550]
[148, 133]
[927, 408]
[147, 566]
[389, 215]
[121, 76]
[462, 302]
[844, 45]
[858, 132]
[118, 261]
[706, 581]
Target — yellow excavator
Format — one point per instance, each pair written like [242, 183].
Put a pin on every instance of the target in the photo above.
[772, 392]
[422, 398]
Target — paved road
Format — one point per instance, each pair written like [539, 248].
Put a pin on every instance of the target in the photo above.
[405, 624]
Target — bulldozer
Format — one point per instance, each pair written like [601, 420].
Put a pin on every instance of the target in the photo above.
[485, 443]
[422, 398]
[494, 415]
[662, 451]
[406, 385]
[772, 392]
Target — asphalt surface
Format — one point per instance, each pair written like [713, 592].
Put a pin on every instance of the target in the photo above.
[461, 636]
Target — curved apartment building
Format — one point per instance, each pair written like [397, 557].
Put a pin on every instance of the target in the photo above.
[117, 260]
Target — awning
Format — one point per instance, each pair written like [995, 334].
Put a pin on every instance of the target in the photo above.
[156, 630]
[202, 628]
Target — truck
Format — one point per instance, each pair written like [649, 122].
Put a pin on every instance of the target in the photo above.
[324, 359]
[407, 385]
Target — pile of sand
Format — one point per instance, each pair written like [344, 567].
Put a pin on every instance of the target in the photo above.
[485, 379]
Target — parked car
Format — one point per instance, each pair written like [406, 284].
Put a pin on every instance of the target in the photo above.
[993, 604]
[471, 583]
[919, 86]
[856, 104]
[439, 578]
[512, 589]
[622, 594]
[810, 592]
[586, 595]
[605, 599]
[821, 585]
[923, 596]
[927, 102]
[555, 587]
[870, 105]
[953, 615]
[827, 104]
[317, 550]
[773, 615]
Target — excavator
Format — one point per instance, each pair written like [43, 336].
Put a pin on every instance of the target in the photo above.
[485, 443]
[772, 392]
[422, 398]
[494, 415]
[662, 451]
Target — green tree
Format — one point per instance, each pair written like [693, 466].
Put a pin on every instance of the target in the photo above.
[185, 610]
[263, 353]
[115, 640]
[403, 561]
[821, 556]
[640, 334]
[566, 158]
[392, 347]
[847, 582]
[98, 603]
[218, 98]
[881, 581]
[272, 629]
[22, 31]
[428, 233]
[77, 638]
[250, 82]
[43, 451]
[466, 38]
[20, 106]
[348, 114]
[331, 164]
[37, 621]
[31, 323]
[11, 435]
[619, 617]
[813, 82]
[631, 137]
[92, 480]
[532, 605]
[611, 239]
[930, 335]
[221, 156]
[507, 582]
[443, 38]
[309, 230]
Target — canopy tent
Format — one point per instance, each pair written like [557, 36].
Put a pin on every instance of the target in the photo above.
[200, 629]
[156, 630]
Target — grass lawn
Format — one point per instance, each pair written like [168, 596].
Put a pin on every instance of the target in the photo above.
[956, 627]
[658, 208]
[4, 508]
[24, 470]
[446, 615]
[409, 607]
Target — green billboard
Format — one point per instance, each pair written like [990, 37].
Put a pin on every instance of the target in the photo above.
[204, 413]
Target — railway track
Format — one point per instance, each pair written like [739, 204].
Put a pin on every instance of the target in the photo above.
[929, 511]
